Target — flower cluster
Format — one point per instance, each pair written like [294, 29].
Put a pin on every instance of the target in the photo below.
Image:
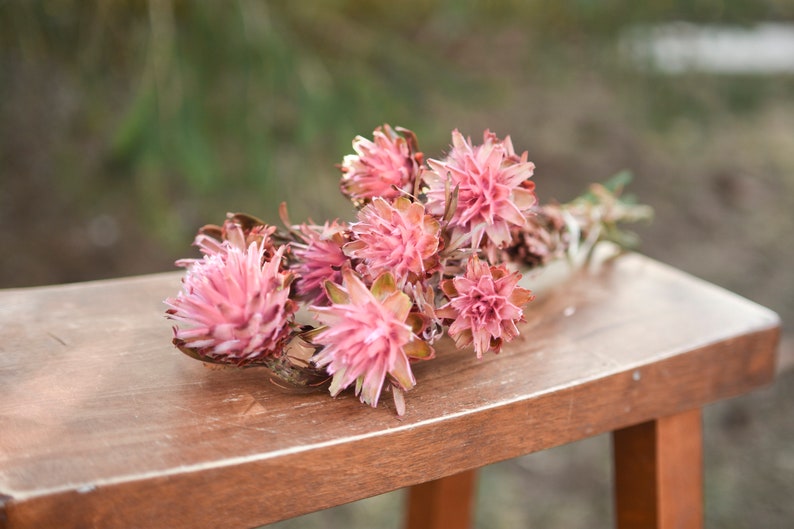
[435, 248]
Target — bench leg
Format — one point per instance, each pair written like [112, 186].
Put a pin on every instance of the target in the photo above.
[659, 473]
[445, 503]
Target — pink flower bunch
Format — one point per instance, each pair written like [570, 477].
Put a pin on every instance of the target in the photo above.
[425, 257]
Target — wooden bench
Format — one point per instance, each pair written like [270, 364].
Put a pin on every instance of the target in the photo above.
[104, 424]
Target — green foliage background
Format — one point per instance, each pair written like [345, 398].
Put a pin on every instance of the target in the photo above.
[157, 117]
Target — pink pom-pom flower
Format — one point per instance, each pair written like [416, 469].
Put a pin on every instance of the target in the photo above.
[319, 258]
[234, 306]
[494, 190]
[395, 237]
[484, 306]
[386, 166]
[367, 338]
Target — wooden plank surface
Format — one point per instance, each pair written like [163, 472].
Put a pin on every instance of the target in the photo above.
[104, 424]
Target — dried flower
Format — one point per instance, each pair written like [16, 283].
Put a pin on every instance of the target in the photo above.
[385, 167]
[395, 237]
[484, 306]
[544, 238]
[422, 260]
[239, 230]
[235, 306]
[493, 188]
[319, 258]
[423, 318]
[367, 337]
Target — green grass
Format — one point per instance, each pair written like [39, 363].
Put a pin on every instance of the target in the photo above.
[200, 107]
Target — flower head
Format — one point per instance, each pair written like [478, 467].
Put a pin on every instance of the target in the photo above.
[318, 259]
[493, 188]
[484, 306]
[367, 338]
[239, 230]
[395, 237]
[234, 305]
[544, 238]
[383, 167]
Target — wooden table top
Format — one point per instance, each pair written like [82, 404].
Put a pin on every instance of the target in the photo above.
[103, 423]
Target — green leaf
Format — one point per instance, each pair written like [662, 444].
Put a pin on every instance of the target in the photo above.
[336, 293]
[616, 183]
[383, 285]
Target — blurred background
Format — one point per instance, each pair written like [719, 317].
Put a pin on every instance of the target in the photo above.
[124, 126]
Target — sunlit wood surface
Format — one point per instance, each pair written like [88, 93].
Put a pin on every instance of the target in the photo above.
[104, 424]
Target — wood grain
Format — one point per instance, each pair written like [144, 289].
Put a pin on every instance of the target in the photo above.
[659, 473]
[104, 424]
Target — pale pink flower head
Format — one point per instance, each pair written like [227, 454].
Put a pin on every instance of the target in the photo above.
[367, 338]
[234, 306]
[395, 237]
[385, 166]
[494, 190]
[319, 258]
[484, 306]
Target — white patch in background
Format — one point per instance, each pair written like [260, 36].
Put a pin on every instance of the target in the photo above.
[762, 49]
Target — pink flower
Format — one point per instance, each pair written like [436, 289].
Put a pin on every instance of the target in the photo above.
[367, 337]
[239, 230]
[234, 305]
[494, 190]
[391, 160]
[397, 238]
[319, 259]
[484, 306]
